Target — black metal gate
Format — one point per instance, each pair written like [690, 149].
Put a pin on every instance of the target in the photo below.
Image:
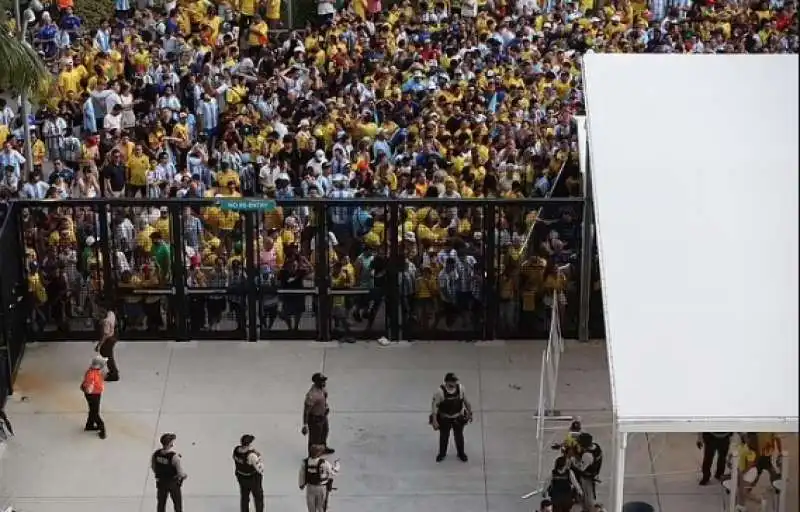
[316, 269]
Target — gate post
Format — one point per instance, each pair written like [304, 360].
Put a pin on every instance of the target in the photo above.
[178, 295]
[490, 283]
[251, 269]
[395, 262]
[322, 272]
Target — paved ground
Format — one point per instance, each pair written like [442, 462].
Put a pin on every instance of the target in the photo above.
[211, 393]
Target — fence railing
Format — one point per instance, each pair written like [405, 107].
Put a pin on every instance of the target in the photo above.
[312, 269]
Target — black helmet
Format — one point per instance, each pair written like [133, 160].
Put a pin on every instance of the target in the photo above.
[585, 440]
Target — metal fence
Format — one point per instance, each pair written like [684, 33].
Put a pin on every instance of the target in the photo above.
[189, 269]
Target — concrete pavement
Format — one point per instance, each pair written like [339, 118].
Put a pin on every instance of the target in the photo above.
[210, 393]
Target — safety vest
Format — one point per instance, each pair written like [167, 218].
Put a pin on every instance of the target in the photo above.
[453, 403]
[93, 382]
[243, 467]
[560, 485]
[163, 467]
[314, 473]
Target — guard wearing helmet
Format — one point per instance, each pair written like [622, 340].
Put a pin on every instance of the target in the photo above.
[166, 466]
[315, 413]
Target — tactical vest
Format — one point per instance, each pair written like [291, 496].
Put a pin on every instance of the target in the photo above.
[314, 473]
[560, 485]
[243, 467]
[593, 469]
[453, 403]
[163, 467]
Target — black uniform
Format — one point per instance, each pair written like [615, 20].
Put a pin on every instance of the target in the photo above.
[452, 404]
[107, 351]
[715, 444]
[168, 481]
[561, 491]
[250, 480]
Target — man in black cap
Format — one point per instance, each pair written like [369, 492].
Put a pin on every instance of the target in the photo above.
[249, 473]
[315, 413]
[166, 465]
[450, 411]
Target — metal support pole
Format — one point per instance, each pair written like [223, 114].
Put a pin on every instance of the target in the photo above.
[587, 256]
[734, 481]
[22, 28]
[784, 482]
[251, 268]
[620, 448]
[490, 282]
[177, 299]
[396, 264]
[322, 274]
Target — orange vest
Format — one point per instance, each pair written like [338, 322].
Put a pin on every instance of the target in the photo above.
[93, 382]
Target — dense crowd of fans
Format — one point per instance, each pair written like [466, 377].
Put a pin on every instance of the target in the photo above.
[469, 99]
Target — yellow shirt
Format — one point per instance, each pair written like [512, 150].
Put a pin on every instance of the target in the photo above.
[39, 151]
[138, 167]
[258, 34]
[274, 9]
[143, 238]
[69, 81]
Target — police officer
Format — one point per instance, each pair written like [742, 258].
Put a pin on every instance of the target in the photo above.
[166, 465]
[249, 473]
[450, 411]
[315, 413]
[316, 477]
[587, 468]
[714, 443]
[108, 340]
[563, 486]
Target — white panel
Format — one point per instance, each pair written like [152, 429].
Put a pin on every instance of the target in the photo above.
[694, 162]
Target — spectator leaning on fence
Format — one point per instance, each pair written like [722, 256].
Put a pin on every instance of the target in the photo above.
[469, 99]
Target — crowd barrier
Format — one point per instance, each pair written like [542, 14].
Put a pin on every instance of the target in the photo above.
[223, 274]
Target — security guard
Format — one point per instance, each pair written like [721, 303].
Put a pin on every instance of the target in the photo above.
[563, 486]
[713, 443]
[108, 340]
[587, 468]
[166, 465]
[315, 414]
[450, 411]
[249, 473]
[93, 385]
[316, 477]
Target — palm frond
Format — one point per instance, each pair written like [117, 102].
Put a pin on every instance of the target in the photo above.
[21, 69]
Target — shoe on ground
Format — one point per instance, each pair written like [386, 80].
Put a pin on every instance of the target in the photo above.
[463, 457]
[440, 457]
[101, 435]
[704, 481]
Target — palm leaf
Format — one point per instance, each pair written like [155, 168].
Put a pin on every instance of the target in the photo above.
[21, 69]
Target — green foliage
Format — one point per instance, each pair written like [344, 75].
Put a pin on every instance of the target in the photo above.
[23, 70]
